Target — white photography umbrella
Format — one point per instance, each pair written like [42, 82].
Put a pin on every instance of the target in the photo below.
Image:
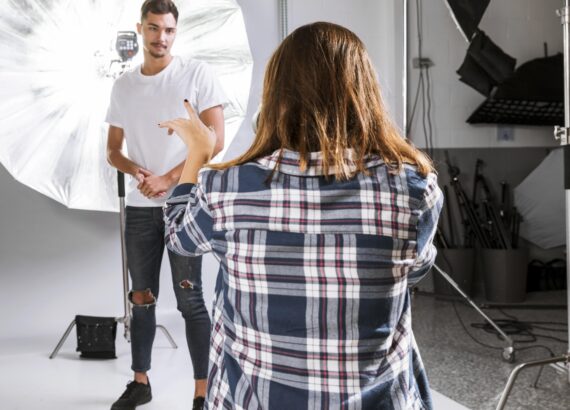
[540, 201]
[57, 66]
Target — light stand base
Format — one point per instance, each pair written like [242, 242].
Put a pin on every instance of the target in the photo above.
[508, 353]
[515, 373]
[127, 336]
[63, 339]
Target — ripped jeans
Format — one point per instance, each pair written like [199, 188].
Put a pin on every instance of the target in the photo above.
[144, 236]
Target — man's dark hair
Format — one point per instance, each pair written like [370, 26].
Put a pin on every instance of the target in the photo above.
[159, 7]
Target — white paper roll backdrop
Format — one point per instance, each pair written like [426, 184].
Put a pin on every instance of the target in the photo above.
[56, 72]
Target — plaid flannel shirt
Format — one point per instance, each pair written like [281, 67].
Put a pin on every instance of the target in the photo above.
[312, 309]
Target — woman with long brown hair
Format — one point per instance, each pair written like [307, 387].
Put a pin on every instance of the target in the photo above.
[320, 228]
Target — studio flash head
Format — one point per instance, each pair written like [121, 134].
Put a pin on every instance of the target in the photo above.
[127, 45]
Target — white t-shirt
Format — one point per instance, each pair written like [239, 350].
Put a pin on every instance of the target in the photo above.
[140, 102]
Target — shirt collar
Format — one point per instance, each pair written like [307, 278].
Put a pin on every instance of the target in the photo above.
[290, 162]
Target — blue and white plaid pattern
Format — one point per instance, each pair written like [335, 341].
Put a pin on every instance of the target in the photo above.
[312, 308]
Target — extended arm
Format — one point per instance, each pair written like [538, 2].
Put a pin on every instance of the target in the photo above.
[158, 184]
[200, 140]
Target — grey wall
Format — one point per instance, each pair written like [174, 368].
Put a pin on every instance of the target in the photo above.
[56, 262]
[378, 23]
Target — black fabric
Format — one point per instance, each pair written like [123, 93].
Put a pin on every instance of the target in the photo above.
[96, 336]
[468, 14]
[485, 65]
[495, 62]
[475, 76]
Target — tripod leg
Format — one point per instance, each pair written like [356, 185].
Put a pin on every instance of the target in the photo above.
[127, 332]
[474, 306]
[535, 384]
[126, 321]
[62, 340]
[168, 336]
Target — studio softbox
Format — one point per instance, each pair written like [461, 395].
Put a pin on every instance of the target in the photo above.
[467, 15]
[486, 64]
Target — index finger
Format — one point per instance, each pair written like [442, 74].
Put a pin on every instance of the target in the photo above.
[189, 109]
[170, 124]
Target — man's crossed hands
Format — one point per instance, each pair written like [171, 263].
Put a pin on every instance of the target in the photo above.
[150, 185]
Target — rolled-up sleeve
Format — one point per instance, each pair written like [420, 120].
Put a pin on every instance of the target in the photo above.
[426, 229]
[188, 221]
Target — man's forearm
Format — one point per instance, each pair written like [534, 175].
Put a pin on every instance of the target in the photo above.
[122, 163]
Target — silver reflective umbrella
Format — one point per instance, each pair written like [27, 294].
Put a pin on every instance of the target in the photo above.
[57, 65]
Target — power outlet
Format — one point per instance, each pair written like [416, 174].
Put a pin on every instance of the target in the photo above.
[423, 62]
[505, 133]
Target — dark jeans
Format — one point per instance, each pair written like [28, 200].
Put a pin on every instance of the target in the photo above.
[144, 235]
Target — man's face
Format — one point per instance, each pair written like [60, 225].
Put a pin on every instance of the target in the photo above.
[158, 32]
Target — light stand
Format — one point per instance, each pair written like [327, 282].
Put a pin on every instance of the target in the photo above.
[508, 351]
[562, 134]
[126, 318]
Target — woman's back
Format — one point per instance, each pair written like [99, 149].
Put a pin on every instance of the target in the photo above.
[312, 309]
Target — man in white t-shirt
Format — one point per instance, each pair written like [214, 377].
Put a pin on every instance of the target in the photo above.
[152, 92]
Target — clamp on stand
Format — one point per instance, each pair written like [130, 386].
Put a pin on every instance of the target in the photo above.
[561, 134]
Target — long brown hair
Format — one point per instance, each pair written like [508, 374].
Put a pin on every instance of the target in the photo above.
[320, 93]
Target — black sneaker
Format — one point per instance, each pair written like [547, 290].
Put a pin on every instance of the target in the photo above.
[135, 395]
[198, 403]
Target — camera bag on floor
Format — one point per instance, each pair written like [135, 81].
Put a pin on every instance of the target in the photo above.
[96, 337]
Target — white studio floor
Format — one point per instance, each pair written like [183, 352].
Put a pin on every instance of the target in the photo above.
[29, 380]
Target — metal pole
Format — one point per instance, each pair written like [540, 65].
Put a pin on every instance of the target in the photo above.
[517, 370]
[566, 28]
[62, 340]
[405, 73]
[126, 319]
[562, 133]
[283, 19]
[508, 351]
